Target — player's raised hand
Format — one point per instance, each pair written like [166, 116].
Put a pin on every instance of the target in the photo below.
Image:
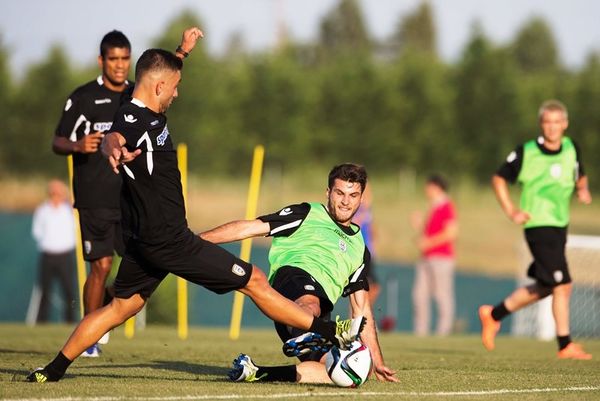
[189, 38]
[114, 150]
[385, 374]
[89, 143]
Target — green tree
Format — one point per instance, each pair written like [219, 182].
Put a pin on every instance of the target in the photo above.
[488, 107]
[534, 47]
[416, 31]
[38, 105]
[343, 30]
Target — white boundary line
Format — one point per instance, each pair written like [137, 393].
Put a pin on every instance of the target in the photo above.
[324, 394]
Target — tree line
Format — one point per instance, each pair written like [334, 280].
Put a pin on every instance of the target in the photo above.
[390, 104]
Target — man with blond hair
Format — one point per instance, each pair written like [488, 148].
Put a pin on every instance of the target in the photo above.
[549, 170]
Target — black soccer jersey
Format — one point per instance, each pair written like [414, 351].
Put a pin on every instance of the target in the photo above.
[91, 108]
[152, 205]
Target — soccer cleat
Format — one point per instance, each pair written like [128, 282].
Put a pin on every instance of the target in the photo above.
[574, 351]
[92, 352]
[305, 343]
[244, 370]
[105, 338]
[39, 375]
[348, 331]
[489, 327]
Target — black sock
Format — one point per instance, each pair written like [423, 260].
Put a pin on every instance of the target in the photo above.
[563, 341]
[277, 373]
[324, 328]
[500, 312]
[57, 368]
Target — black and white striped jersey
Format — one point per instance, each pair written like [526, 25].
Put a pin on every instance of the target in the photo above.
[91, 108]
[152, 202]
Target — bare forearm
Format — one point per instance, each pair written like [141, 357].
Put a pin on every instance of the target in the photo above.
[235, 231]
[63, 146]
[502, 194]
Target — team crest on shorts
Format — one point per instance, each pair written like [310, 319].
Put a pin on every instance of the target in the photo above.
[558, 276]
[343, 245]
[238, 270]
[87, 246]
[309, 287]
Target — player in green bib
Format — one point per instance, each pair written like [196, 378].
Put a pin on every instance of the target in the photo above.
[549, 170]
[317, 256]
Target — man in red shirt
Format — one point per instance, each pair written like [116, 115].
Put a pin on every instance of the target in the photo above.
[434, 275]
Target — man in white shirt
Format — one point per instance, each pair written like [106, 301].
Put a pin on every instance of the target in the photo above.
[53, 230]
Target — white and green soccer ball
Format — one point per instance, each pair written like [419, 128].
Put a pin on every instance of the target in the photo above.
[349, 368]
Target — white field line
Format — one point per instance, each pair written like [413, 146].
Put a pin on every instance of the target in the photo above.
[310, 394]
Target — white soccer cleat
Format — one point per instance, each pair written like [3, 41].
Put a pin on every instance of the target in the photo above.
[104, 339]
[92, 352]
[243, 369]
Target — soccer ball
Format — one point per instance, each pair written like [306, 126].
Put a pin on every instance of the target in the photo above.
[348, 368]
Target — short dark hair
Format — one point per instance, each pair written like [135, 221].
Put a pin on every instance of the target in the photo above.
[156, 60]
[348, 172]
[438, 181]
[113, 39]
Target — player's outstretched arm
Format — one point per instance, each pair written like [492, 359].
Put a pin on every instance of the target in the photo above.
[236, 230]
[500, 187]
[360, 305]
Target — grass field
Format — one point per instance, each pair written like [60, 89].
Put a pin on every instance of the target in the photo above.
[157, 366]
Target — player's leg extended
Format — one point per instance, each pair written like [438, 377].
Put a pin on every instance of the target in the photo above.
[244, 369]
[94, 325]
[93, 289]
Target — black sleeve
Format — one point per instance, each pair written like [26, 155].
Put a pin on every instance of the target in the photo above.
[130, 126]
[511, 167]
[72, 118]
[580, 170]
[287, 220]
[359, 279]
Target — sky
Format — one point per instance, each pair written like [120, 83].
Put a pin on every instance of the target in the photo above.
[28, 28]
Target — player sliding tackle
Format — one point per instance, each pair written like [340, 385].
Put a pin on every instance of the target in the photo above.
[317, 255]
[158, 240]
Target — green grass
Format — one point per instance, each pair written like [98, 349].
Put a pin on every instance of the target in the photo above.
[157, 365]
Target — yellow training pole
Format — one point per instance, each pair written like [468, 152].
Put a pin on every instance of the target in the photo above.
[251, 206]
[182, 292]
[81, 273]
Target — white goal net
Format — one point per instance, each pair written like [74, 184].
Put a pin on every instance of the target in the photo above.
[583, 256]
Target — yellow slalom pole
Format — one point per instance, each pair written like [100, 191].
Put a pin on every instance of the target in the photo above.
[81, 273]
[251, 207]
[182, 290]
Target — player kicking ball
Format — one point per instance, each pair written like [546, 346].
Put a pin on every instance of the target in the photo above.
[317, 255]
[158, 240]
[549, 170]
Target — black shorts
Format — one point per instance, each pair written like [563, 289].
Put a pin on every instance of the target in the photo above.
[144, 266]
[547, 245]
[292, 283]
[101, 233]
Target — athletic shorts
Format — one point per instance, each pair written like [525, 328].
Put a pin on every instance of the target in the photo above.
[188, 256]
[292, 283]
[547, 245]
[101, 233]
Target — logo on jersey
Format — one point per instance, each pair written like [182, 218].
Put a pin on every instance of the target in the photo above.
[102, 126]
[153, 123]
[162, 138]
[343, 246]
[556, 171]
[238, 270]
[103, 101]
[129, 118]
[286, 211]
[87, 245]
[68, 105]
[309, 287]
[511, 157]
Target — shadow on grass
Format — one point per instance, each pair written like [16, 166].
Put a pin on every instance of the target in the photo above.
[13, 351]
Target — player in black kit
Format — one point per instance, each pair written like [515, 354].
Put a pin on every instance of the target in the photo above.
[88, 114]
[159, 241]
